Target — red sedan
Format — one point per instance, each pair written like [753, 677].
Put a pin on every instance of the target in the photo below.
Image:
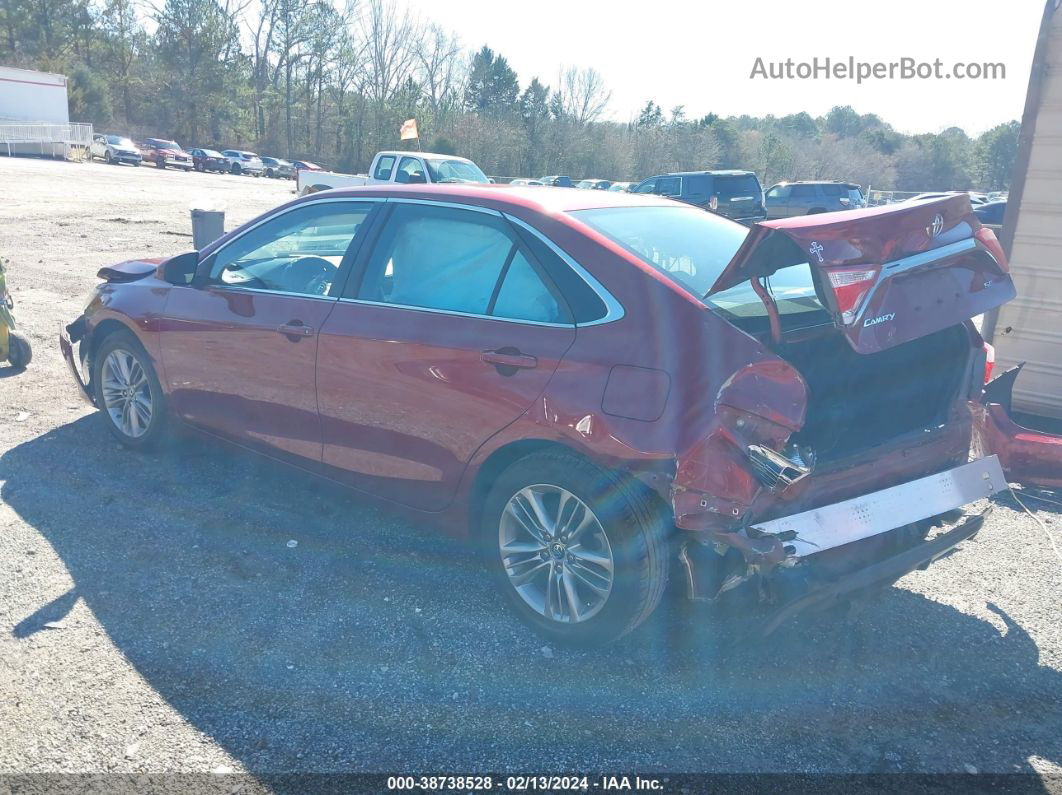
[599, 388]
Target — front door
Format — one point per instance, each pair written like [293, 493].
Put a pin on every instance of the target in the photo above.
[450, 334]
[239, 347]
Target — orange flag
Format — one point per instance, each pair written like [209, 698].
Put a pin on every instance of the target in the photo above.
[408, 130]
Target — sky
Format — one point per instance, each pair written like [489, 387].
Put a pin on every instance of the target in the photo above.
[701, 54]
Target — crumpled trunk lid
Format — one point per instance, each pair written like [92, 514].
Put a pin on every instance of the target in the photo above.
[887, 275]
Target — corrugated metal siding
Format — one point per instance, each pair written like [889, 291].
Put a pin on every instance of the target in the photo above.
[1035, 316]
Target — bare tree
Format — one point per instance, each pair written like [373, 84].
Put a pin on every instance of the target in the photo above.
[439, 68]
[584, 96]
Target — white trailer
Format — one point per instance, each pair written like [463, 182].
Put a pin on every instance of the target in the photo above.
[1029, 329]
[33, 96]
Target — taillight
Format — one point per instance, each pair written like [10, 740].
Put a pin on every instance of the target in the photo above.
[989, 240]
[990, 361]
[850, 286]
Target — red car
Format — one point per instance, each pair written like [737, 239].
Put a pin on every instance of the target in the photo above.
[597, 387]
[165, 153]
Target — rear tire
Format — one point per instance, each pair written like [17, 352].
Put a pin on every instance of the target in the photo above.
[128, 391]
[19, 352]
[585, 571]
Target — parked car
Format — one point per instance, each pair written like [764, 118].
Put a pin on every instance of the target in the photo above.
[305, 165]
[594, 184]
[557, 182]
[504, 363]
[397, 168]
[735, 194]
[208, 160]
[624, 187]
[807, 197]
[522, 181]
[114, 149]
[278, 168]
[991, 214]
[238, 162]
[165, 153]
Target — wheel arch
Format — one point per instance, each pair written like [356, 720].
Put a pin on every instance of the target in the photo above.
[508, 454]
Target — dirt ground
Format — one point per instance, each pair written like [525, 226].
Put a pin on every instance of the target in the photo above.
[154, 617]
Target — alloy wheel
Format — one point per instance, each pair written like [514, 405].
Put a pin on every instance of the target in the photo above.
[555, 553]
[126, 393]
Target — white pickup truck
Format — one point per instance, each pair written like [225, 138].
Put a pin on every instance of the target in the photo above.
[402, 168]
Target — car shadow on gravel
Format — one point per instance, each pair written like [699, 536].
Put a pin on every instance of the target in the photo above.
[372, 644]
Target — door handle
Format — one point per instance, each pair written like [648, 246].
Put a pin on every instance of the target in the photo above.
[509, 358]
[295, 329]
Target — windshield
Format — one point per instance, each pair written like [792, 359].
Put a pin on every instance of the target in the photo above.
[692, 247]
[454, 171]
[210, 153]
[117, 140]
[158, 142]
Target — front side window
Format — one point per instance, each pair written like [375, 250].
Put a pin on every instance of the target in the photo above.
[384, 167]
[297, 252]
[778, 192]
[456, 260]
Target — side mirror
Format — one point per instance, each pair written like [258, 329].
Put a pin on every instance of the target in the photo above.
[180, 270]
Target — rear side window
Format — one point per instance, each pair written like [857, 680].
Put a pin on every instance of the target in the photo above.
[459, 261]
[745, 186]
[384, 167]
[585, 305]
[833, 191]
[524, 296]
[698, 185]
[668, 186]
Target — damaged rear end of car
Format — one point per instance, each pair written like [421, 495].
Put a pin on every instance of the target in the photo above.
[839, 460]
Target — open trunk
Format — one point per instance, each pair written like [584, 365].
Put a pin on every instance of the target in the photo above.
[857, 401]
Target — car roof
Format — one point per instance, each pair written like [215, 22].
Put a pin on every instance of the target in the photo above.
[722, 173]
[544, 199]
[402, 153]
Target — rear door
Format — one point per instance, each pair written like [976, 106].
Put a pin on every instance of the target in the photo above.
[889, 274]
[450, 332]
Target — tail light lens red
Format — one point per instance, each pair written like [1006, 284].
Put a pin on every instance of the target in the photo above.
[988, 239]
[850, 286]
[990, 361]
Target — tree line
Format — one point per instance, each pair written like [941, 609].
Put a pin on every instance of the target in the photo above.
[315, 80]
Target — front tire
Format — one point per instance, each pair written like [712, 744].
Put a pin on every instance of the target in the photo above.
[579, 553]
[19, 352]
[128, 391]
[236, 169]
[160, 163]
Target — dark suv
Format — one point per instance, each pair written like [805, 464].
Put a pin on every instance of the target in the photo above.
[558, 182]
[735, 194]
[787, 199]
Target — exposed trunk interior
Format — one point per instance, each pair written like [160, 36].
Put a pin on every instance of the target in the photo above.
[857, 401]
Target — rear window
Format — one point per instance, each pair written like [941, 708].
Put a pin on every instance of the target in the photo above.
[691, 248]
[741, 187]
[686, 244]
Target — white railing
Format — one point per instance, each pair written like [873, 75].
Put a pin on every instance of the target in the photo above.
[24, 135]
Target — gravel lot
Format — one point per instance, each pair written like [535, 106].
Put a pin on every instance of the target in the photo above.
[154, 616]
